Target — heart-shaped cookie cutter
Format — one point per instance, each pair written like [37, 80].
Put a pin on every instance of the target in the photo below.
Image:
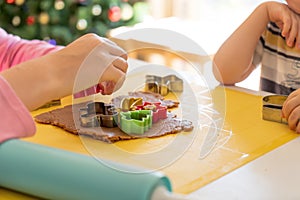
[129, 103]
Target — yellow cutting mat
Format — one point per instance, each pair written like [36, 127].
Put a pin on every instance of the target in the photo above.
[243, 137]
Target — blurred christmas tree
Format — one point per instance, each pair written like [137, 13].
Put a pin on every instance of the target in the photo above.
[62, 21]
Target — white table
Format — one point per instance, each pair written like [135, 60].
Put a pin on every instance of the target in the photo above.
[273, 176]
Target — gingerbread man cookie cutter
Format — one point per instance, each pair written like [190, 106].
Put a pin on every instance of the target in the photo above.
[98, 114]
[163, 85]
[272, 106]
[136, 122]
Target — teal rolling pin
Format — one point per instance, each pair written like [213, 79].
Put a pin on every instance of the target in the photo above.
[57, 174]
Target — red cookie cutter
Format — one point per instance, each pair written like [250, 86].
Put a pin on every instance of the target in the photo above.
[159, 112]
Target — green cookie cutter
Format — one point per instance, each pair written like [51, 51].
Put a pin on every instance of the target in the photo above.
[136, 122]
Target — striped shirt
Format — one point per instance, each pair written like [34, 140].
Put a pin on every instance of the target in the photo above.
[280, 64]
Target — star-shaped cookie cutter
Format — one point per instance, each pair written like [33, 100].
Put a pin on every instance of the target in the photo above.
[136, 122]
[163, 85]
[99, 114]
[158, 112]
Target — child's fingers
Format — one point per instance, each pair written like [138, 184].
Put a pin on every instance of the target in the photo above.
[286, 27]
[107, 87]
[293, 119]
[113, 74]
[286, 24]
[292, 101]
[297, 44]
[116, 50]
[291, 95]
[288, 106]
[298, 127]
[121, 64]
[292, 36]
[109, 41]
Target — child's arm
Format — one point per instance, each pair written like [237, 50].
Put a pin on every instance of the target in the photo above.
[14, 50]
[15, 121]
[233, 61]
[28, 85]
[84, 63]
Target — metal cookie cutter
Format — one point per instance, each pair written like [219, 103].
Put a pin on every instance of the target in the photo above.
[136, 122]
[55, 102]
[158, 112]
[130, 103]
[163, 85]
[99, 114]
[272, 105]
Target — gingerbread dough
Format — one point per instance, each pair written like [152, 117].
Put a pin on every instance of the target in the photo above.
[69, 121]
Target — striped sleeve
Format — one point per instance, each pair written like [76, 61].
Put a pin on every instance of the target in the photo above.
[280, 64]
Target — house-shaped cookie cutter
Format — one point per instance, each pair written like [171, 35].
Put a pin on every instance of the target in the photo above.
[163, 85]
[136, 122]
[272, 106]
[158, 112]
[99, 114]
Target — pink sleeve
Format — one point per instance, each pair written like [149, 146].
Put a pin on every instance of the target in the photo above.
[16, 120]
[14, 50]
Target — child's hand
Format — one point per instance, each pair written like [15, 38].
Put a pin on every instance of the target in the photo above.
[291, 110]
[287, 20]
[88, 61]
